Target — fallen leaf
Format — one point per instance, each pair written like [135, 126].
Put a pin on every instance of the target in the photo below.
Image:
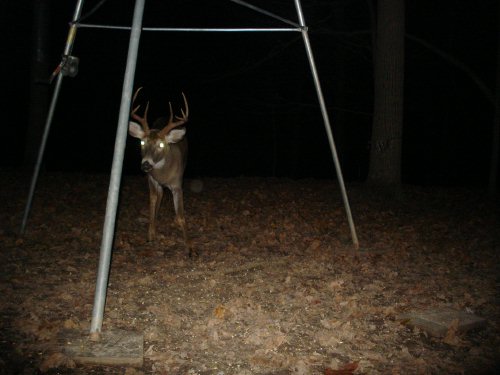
[56, 360]
[220, 312]
[347, 369]
[133, 371]
[452, 337]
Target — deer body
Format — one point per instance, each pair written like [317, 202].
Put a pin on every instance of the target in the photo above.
[164, 157]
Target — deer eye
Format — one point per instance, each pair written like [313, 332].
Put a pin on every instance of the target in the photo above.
[162, 145]
[143, 143]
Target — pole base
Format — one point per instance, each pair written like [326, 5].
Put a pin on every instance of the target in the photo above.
[114, 348]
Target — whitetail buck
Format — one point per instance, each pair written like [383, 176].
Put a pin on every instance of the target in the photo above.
[164, 155]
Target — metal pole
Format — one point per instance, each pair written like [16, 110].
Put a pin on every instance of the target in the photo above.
[116, 172]
[55, 95]
[195, 29]
[326, 121]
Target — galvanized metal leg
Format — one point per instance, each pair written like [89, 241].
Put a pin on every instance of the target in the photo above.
[116, 172]
[326, 121]
[55, 95]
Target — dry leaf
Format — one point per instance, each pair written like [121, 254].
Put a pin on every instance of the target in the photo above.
[220, 312]
[56, 360]
[347, 369]
[133, 371]
[71, 324]
[452, 335]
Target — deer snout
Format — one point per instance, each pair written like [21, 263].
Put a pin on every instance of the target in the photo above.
[146, 166]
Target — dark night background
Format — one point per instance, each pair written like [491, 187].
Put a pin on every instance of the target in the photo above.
[253, 108]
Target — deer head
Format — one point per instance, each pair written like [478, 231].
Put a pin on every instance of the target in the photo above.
[155, 143]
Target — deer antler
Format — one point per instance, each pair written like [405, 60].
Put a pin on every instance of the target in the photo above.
[181, 119]
[142, 120]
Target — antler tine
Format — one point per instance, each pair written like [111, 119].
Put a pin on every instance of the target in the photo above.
[186, 114]
[133, 101]
[181, 119]
[135, 94]
[142, 120]
[171, 113]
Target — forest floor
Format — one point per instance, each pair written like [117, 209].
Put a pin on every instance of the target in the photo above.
[276, 288]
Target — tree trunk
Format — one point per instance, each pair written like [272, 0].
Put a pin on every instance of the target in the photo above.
[39, 87]
[385, 153]
[340, 88]
[495, 140]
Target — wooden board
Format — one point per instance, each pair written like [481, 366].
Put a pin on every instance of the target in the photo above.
[437, 321]
[114, 348]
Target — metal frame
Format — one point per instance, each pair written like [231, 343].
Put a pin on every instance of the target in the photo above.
[121, 134]
[55, 95]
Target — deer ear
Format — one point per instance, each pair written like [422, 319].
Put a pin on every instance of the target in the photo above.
[135, 130]
[175, 135]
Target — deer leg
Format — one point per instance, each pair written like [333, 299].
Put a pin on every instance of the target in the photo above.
[155, 197]
[179, 216]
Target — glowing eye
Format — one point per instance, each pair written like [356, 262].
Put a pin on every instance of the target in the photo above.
[143, 143]
[162, 144]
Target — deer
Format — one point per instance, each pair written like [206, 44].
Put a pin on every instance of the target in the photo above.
[164, 157]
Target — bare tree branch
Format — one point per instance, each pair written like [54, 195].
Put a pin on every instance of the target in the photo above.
[457, 63]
